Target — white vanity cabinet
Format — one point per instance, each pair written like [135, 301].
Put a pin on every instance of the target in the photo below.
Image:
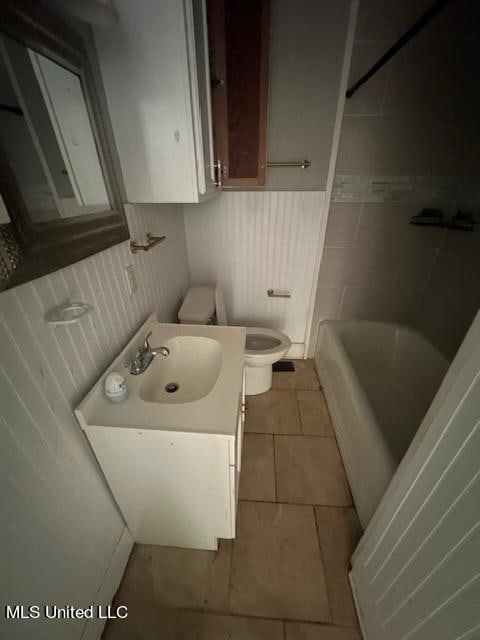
[172, 458]
[154, 66]
[173, 488]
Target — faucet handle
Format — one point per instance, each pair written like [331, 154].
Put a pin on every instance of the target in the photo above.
[164, 351]
[146, 344]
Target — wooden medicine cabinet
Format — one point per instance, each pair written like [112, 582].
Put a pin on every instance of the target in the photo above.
[239, 39]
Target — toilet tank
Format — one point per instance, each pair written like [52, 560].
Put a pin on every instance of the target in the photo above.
[198, 306]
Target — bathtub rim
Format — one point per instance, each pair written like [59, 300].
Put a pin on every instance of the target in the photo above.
[362, 407]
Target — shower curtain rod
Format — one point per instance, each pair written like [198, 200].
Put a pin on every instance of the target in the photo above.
[420, 24]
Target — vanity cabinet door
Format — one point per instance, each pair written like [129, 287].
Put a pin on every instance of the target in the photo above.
[240, 431]
[234, 483]
[236, 463]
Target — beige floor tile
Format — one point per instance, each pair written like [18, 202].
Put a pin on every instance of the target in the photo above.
[314, 414]
[306, 631]
[277, 569]
[208, 626]
[309, 470]
[169, 577]
[144, 622]
[273, 412]
[304, 377]
[154, 623]
[257, 476]
[339, 532]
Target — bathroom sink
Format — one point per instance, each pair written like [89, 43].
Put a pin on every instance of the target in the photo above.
[194, 389]
[187, 374]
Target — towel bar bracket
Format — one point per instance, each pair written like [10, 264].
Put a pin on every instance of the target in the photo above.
[152, 241]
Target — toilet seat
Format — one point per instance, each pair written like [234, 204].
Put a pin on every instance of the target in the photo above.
[267, 342]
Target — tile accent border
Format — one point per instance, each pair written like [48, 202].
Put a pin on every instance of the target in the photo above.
[428, 189]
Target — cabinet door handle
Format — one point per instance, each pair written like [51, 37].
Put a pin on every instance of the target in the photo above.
[218, 172]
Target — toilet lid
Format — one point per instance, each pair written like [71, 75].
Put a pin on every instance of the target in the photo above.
[220, 307]
[198, 305]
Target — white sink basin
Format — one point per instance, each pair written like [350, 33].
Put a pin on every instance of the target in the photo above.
[187, 374]
[206, 362]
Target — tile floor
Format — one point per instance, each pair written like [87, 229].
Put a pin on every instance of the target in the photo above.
[285, 576]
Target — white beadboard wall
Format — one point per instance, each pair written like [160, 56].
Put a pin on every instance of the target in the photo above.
[252, 241]
[416, 571]
[60, 526]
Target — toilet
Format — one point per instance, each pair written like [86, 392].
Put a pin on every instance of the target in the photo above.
[205, 305]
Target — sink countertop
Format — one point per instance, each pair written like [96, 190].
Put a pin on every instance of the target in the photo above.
[215, 413]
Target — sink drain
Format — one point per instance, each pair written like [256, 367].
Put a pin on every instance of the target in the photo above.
[171, 387]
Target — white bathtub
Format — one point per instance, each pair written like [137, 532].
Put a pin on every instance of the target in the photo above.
[378, 380]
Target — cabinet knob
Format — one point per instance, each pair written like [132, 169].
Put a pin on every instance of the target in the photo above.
[217, 82]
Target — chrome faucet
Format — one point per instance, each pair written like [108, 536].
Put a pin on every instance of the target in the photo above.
[145, 355]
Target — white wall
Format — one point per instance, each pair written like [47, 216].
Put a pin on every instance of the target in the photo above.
[253, 241]
[307, 45]
[60, 526]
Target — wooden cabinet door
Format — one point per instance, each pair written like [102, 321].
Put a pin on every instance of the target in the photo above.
[239, 53]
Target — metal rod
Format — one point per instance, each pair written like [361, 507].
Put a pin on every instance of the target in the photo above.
[284, 294]
[16, 110]
[420, 24]
[303, 164]
[152, 241]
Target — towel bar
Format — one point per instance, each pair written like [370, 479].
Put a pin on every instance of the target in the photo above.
[303, 164]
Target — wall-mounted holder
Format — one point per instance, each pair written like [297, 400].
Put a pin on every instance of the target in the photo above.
[434, 218]
[152, 241]
[271, 293]
[67, 313]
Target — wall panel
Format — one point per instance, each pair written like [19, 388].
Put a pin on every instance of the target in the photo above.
[60, 526]
[249, 242]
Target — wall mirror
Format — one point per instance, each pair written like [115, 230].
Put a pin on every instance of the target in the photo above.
[59, 198]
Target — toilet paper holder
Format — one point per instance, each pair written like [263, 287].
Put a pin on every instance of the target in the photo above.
[271, 293]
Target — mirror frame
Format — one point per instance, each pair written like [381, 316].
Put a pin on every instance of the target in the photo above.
[48, 246]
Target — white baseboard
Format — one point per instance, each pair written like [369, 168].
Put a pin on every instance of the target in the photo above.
[111, 581]
[296, 351]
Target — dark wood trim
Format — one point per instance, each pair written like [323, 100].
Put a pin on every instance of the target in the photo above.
[218, 76]
[49, 246]
[264, 83]
[216, 13]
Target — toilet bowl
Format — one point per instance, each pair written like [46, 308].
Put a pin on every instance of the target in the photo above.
[263, 346]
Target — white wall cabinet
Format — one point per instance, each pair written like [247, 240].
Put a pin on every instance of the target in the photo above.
[154, 65]
[173, 488]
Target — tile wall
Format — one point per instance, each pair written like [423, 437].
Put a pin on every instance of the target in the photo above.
[409, 140]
